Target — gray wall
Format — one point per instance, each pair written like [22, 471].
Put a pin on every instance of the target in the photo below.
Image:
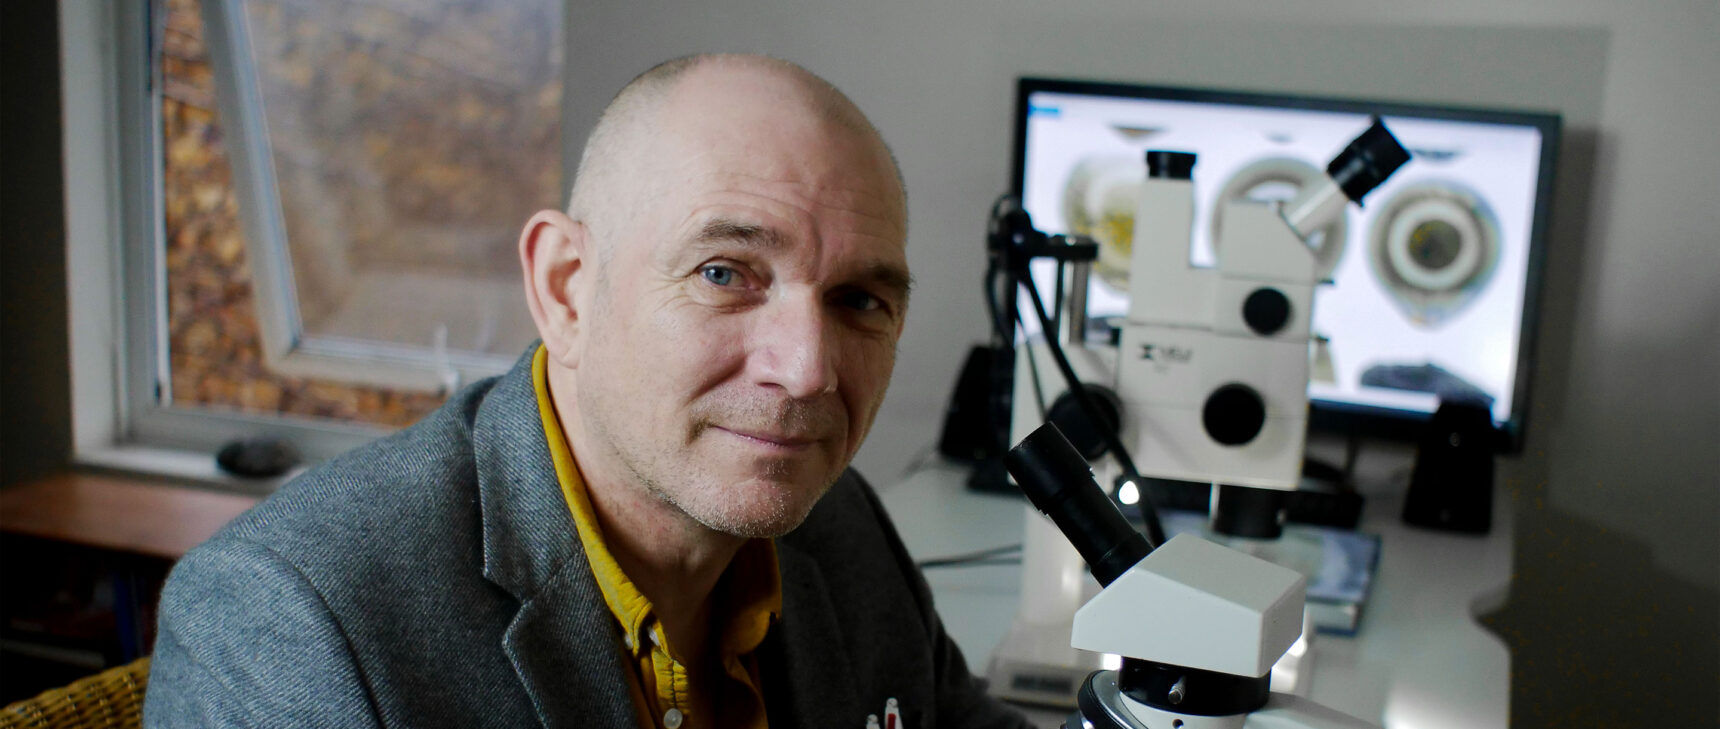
[1614, 614]
[35, 395]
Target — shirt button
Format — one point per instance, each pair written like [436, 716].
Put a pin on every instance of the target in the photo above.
[672, 719]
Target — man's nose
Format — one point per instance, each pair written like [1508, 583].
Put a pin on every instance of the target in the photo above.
[795, 349]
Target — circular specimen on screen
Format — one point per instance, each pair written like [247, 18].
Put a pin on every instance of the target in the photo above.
[1099, 202]
[1282, 179]
[1434, 247]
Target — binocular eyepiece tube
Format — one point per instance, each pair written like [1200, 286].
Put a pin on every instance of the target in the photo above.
[1058, 482]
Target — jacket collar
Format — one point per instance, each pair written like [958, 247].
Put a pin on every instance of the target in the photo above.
[561, 642]
[565, 652]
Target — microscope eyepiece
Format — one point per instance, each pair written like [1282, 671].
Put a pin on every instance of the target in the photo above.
[1167, 165]
[1367, 161]
[1057, 480]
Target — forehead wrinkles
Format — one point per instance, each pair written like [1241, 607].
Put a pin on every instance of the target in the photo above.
[812, 193]
[823, 240]
[840, 200]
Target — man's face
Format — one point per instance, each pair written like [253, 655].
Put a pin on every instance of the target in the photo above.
[747, 315]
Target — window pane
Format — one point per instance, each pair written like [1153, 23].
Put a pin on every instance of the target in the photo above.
[410, 143]
[418, 217]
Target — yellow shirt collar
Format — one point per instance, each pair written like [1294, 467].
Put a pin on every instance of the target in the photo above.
[752, 586]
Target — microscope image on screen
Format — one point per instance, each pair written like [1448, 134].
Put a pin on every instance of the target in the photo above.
[1102, 192]
[1434, 270]
[1099, 202]
[1426, 377]
[1434, 247]
[1282, 179]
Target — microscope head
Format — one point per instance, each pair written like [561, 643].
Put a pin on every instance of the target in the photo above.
[1210, 608]
[1188, 602]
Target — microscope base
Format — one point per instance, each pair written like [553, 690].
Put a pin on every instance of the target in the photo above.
[1103, 706]
[1036, 665]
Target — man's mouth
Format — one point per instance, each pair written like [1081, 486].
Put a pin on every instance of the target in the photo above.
[786, 441]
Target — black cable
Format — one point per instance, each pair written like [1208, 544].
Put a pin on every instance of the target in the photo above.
[999, 331]
[992, 268]
[1112, 442]
[1002, 347]
[919, 461]
[1057, 304]
[1018, 230]
[984, 562]
[1033, 371]
[991, 555]
[996, 265]
[1149, 515]
[1352, 448]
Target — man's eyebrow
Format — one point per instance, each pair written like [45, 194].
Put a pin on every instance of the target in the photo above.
[894, 278]
[733, 231]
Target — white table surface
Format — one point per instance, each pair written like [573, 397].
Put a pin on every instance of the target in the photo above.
[1419, 660]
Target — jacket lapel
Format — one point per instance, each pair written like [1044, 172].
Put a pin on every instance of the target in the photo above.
[562, 641]
[568, 661]
[806, 659]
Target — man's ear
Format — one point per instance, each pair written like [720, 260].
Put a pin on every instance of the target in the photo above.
[555, 256]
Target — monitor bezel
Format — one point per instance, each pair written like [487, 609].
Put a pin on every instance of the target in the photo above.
[1331, 415]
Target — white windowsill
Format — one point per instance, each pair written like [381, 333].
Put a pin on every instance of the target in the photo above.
[192, 468]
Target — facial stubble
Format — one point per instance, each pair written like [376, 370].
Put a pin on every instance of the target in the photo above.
[771, 497]
[777, 491]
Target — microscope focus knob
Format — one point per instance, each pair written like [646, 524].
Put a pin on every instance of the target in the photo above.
[1087, 436]
[1234, 414]
[1266, 311]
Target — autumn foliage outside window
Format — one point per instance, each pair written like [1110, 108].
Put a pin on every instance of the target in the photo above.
[401, 225]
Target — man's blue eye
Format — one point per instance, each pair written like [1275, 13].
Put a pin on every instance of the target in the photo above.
[862, 301]
[719, 275]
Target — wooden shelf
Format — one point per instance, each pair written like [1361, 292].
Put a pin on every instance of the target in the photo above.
[118, 513]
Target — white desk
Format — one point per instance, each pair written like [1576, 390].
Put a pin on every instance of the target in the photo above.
[1419, 660]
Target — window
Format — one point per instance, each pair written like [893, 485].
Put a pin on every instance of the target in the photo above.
[320, 201]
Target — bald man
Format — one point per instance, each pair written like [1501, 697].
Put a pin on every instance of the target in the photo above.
[648, 522]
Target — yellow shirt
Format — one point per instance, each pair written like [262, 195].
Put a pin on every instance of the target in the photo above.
[668, 694]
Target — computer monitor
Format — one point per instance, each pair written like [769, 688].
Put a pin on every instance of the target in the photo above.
[1433, 283]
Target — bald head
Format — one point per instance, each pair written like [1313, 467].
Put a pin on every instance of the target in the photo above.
[720, 305]
[614, 171]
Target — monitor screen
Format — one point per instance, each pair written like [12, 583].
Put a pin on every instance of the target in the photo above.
[1432, 284]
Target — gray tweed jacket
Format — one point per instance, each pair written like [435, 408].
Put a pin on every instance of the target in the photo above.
[435, 578]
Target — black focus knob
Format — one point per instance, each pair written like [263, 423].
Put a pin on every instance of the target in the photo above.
[1234, 414]
[1087, 436]
[1266, 311]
